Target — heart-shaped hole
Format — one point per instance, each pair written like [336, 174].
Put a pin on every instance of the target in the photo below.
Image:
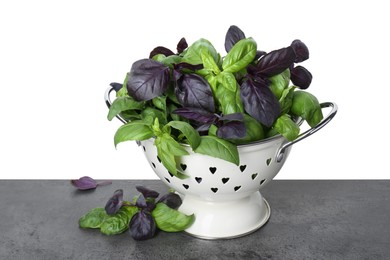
[225, 180]
[186, 186]
[213, 169]
[242, 168]
[254, 176]
[183, 166]
[214, 190]
[262, 181]
[167, 180]
[154, 166]
[170, 174]
[268, 161]
[198, 179]
[237, 188]
[158, 159]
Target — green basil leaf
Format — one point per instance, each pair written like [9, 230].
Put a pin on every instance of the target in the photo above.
[171, 220]
[170, 60]
[316, 117]
[228, 81]
[156, 128]
[119, 222]
[213, 82]
[121, 104]
[167, 149]
[134, 130]
[93, 219]
[286, 100]
[209, 62]
[219, 148]
[279, 83]
[286, 127]
[213, 130]
[130, 115]
[242, 53]
[229, 101]
[149, 114]
[173, 146]
[193, 54]
[160, 102]
[307, 106]
[159, 57]
[167, 159]
[188, 131]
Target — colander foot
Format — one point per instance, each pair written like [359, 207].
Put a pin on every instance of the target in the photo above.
[226, 219]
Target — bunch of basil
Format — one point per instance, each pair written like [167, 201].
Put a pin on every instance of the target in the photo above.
[214, 103]
[142, 216]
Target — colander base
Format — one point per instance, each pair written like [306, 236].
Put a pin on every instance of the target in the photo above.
[226, 219]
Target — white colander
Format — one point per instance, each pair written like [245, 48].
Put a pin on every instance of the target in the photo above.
[224, 197]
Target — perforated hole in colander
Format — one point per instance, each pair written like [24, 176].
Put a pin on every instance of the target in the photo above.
[183, 166]
[225, 180]
[268, 161]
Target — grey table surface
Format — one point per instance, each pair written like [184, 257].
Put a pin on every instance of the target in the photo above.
[310, 220]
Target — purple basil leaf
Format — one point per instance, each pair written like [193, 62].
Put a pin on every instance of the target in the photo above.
[204, 127]
[301, 51]
[233, 35]
[259, 101]
[147, 192]
[232, 130]
[182, 45]
[160, 50]
[147, 79]
[276, 62]
[259, 54]
[196, 114]
[301, 77]
[141, 202]
[147, 204]
[184, 65]
[85, 183]
[252, 70]
[194, 91]
[114, 203]
[233, 117]
[142, 226]
[171, 199]
[116, 86]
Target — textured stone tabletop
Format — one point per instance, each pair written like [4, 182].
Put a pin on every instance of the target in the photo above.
[310, 220]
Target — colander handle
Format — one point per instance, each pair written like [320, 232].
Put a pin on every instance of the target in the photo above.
[107, 99]
[332, 113]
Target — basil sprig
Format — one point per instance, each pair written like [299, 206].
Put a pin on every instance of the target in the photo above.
[142, 218]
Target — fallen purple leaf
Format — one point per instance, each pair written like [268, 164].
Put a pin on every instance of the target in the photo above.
[87, 183]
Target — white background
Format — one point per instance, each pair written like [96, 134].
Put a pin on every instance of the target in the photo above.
[58, 57]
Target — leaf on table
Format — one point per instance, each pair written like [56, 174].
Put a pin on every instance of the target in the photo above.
[87, 183]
